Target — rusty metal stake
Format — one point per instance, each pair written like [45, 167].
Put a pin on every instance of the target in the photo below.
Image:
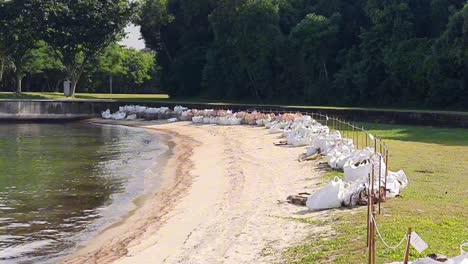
[408, 245]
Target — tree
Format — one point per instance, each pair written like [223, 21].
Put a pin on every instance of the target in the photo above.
[361, 52]
[246, 37]
[179, 31]
[449, 72]
[138, 65]
[130, 68]
[314, 38]
[78, 30]
[41, 61]
[3, 62]
[19, 33]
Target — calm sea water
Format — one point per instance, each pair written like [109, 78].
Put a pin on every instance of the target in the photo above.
[60, 184]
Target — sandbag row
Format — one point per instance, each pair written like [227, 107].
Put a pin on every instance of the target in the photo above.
[206, 116]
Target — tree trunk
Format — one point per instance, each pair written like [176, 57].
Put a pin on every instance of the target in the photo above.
[74, 82]
[19, 78]
[75, 77]
[325, 69]
[2, 67]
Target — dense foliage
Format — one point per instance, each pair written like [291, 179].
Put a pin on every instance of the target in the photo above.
[341, 52]
[46, 42]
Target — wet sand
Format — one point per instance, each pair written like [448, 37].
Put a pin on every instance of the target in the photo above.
[220, 201]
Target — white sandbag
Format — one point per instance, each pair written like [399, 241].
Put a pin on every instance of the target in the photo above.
[350, 193]
[106, 114]
[131, 117]
[298, 141]
[270, 124]
[359, 165]
[357, 171]
[185, 116]
[327, 141]
[197, 119]
[118, 115]
[311, 150]
[461, 259]
[327, 197]
[172, 120]
[340, 154]
[235, 121]
[396, 181]
[213, 120]
[152, 110]
[223, 121]
[140, 109]
[179, 109]
[278, 127]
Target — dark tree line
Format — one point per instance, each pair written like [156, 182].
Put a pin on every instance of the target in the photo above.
[411, 53]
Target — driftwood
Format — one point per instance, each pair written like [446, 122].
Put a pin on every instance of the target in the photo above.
[304, 157]
[299, 199]
[280, 143]
[376, 197]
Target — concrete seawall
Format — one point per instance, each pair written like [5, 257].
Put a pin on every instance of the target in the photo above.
[11, 110]
[31, 110]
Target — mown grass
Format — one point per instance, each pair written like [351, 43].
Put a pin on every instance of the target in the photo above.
[434, 204]
[83, 96]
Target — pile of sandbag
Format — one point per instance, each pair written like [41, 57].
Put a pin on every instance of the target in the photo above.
[341, 152]
[116, 116]
[207, 116]
[357, 165]
[132, 112]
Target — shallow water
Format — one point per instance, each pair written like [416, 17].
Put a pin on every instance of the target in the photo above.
[60, 184]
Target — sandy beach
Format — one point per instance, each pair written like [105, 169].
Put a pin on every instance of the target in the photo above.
[220, 202]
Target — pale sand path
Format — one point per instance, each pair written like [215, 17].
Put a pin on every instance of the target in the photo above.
[230, 212]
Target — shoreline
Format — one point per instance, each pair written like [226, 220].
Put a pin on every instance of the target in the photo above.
[112, 243]
[218, 202]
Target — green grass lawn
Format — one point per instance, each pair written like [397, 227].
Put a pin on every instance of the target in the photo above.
[83, 96]
[434, 204]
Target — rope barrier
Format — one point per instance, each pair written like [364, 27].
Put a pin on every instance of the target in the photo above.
[382, 239]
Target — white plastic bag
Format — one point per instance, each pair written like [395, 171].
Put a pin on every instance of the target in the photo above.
[327, 197]
[396, 181]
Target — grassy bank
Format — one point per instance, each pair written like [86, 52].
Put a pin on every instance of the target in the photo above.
[434, 204]
[84, 96]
